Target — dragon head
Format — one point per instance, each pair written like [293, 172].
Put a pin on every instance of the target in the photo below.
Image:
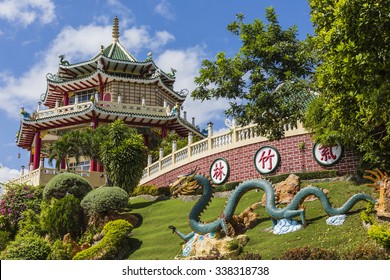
[184, 185]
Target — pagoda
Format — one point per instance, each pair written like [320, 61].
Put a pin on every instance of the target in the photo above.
[112, 85]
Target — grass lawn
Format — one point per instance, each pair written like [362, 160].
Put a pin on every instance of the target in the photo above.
[156, 242]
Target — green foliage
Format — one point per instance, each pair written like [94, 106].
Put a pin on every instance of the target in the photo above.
[28, 247]
[30, 223]
[105, 199]
[304, 175]
[308, 253]
[250, 256]
[5, 238]
[266, 81]
[114, 245]
[66, 183]
[226, 187]
[367, 215]
[123, 155]
[62, 216]
[69, 145]
[381, 234]
[16, 199]
[166, 144]
[145, 189]
[353, 78]
[60, 251]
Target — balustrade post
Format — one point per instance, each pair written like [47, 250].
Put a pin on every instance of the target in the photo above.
[193, 121]
[22, 171]
[190, 140]
[185, 115]
[210, 134]
[161, 155]
[174, 149]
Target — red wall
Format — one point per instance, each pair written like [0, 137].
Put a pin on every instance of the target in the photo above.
[241, 161]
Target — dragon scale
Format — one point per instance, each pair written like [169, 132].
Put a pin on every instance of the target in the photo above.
[290, 211]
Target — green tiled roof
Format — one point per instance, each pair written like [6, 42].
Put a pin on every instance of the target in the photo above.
[118, 52]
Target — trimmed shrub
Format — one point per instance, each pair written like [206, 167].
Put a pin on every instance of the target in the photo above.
[367, 215]
[5, 237]
[380, 234]
[60, 251]
[105, 199]
[145, 189]
[304, 175]
[28, 247]
[63, 216]
[66, 183]
[114, 245]
[30, 223]
[308, 253]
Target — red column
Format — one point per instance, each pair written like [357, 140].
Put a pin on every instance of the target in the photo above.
[37, 150]
[31, 160]
[63, 163]
[100, 167]
[66, 99]
[164, 132]
[93, 162]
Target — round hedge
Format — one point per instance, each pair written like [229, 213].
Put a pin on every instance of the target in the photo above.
[105, 199]
[28, 247]
[66, 183]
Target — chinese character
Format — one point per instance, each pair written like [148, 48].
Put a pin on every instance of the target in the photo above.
[327, 153]
[218, 171]
[264, 158]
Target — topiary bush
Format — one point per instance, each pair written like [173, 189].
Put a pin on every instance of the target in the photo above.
[62, 216]
[60, 251]
[28, 247]
[380, 234]
[105, 199]
[114, 245]
[66, 183]
[145, 189]
[30, 223]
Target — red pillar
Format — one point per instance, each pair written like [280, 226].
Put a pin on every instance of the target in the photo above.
[93, 162]
[164, 132]
[100, 167]
[63, 163]
[37, 150]
[30, 163]
[66, 99]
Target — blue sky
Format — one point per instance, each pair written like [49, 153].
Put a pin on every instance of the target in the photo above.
[33, 33]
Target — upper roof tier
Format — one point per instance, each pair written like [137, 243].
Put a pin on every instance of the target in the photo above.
[112, 60]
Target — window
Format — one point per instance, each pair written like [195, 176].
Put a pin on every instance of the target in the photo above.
[83, 96]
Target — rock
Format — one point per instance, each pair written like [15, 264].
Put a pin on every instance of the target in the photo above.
[209, 246]
[245, 220]
[285, 190]
[67, 240]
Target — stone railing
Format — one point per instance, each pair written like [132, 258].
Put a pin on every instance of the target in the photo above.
[234, 138]
[43, 175]
[63, 110]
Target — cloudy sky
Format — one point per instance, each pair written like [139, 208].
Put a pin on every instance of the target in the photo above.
[33, 33]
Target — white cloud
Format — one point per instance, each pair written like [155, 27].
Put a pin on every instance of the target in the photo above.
[165, 9]
[78, 44]
[25, 12]
[187, 63]
[7, 173]
[122, 11]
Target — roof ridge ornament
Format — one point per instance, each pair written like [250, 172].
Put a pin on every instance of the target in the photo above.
[115, 30]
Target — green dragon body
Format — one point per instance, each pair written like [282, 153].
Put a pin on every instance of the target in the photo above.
[187, 184]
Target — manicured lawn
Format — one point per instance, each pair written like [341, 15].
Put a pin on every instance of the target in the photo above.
[155, 241]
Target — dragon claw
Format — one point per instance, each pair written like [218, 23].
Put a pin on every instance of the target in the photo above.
[172, 228]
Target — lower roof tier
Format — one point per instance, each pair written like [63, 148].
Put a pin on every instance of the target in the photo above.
[90, 113]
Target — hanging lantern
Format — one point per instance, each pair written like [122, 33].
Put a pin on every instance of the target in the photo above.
[18, 155]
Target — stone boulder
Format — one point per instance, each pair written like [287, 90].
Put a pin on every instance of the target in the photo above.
[210, 246]
[247, 219]
[285, 190]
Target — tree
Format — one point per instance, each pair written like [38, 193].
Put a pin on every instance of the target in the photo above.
[252, 80]
[353, 43]
[124, 156]
[67, 146]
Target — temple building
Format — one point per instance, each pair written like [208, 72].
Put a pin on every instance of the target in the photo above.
[112, 85]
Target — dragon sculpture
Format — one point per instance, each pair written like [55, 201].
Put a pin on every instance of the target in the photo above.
[188, 184]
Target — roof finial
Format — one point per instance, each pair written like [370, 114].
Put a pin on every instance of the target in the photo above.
[115, 29]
